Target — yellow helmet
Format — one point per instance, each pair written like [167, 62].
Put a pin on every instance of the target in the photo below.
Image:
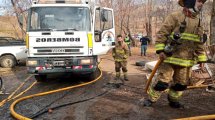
[181, 2]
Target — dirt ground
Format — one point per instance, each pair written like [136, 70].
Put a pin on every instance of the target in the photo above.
[111, 104]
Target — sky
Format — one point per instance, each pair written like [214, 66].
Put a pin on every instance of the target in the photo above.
[3, 4]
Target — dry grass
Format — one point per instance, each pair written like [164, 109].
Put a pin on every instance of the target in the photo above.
[9, 26]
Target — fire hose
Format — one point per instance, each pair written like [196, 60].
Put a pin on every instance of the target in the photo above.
[21, 117]
[152, 74]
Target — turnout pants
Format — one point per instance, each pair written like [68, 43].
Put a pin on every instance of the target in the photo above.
[170, 76]
[118, 66]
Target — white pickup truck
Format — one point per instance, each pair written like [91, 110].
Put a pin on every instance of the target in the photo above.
[11, 51]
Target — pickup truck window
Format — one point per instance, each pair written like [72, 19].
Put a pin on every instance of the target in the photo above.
[8, 42]
[59, 19]
[3, 42]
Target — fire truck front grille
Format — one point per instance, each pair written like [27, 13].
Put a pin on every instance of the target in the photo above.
[71, 50]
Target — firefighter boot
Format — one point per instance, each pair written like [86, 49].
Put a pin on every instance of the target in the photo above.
[175, 104]
[125, 76]
[117, 76]
[118, 80]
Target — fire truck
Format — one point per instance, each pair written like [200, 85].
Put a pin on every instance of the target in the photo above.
[67, 36]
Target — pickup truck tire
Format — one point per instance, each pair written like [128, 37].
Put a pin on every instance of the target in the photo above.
[40, 78]
[8, 61]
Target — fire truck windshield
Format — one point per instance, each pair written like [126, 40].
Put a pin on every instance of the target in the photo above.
[59, 19]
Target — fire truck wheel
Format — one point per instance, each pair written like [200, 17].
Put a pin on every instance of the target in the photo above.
[93, 75]
[8, 61]
[40, 78]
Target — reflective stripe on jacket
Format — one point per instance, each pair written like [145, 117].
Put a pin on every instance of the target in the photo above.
[188, 36]
[178, 61]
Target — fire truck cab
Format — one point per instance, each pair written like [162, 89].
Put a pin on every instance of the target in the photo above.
[67, 37]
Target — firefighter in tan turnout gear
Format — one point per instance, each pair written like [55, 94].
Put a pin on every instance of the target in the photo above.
[179, 43]
[120, 54]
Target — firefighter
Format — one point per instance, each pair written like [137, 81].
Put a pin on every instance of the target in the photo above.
[184, 27]
[120, 55]
[128, 42]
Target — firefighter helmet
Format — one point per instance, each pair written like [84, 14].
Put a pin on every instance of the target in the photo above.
[181, 2]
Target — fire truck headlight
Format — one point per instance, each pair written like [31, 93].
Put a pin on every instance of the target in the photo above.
[31, 63]
[86, 61]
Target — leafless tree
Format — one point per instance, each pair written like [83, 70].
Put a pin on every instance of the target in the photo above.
[134, 16]
[123, 14]
[212, 26]
[19, 6]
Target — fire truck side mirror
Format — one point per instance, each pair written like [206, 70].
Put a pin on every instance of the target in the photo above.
[98, 32]
[104, 15]
[20, 19]
[113, 43]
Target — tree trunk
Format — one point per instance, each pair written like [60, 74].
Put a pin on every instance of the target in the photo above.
[149, 18]
[212, 31]
[17, 11]
[129, 32]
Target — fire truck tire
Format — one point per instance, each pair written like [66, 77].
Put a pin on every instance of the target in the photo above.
[8, 61]
[93, 75]
[40, 78]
